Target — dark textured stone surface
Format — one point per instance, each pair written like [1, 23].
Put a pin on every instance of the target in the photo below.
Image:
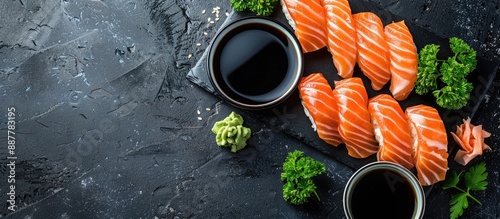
[108, 126]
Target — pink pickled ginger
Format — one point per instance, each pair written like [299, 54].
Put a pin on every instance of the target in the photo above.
[471, 140]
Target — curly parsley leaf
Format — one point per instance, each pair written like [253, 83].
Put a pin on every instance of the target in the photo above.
[453, 96]
[464, 53]
[262, 7]
[475, 180]
[239, 5]
[427, 69]
[298, 171]
[259, 7]
[453, 72]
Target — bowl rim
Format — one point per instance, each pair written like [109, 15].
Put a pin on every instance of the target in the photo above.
[287, 32]
[419, 191]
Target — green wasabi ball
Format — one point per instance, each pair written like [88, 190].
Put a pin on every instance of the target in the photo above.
[230, 132]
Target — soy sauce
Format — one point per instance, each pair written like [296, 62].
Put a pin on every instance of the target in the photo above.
[254, 63]
[383, 194]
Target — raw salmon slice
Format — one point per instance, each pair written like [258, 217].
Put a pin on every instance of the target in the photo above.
[341, 36]
[391, 130]
[321, 107]
[373, 53]
[354, 120]
[308, 19]
[429, 142]
[403, 59]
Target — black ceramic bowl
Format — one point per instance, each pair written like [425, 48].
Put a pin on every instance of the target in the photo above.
[255, 63]
[383, 188]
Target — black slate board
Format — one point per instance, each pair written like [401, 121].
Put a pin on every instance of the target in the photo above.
[290, 118]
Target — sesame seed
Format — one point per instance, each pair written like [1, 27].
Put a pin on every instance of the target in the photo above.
[198, 112]
[207, 109]
[212, 22]
[215, 10]
[209, 19]
[190, 55]
[217, 18]
[199, 118]
[198, 44]
[227, 14]
[203, 12]
[205, 33]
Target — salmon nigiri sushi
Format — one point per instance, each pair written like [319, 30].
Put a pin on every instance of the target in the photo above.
[308, 19]
[403, 59]
[321, 107]
[341, 36]
[391, 130]
[430, 143]
[354, 120]
[373, 53]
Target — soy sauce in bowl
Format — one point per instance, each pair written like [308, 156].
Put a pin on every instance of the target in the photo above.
[260, 69]
[255, 63]
[383, 194]
[383, 190]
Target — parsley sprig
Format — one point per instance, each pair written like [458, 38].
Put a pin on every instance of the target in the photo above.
[260, 7]
[475, 180]
[298, 171]
[452, 71]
